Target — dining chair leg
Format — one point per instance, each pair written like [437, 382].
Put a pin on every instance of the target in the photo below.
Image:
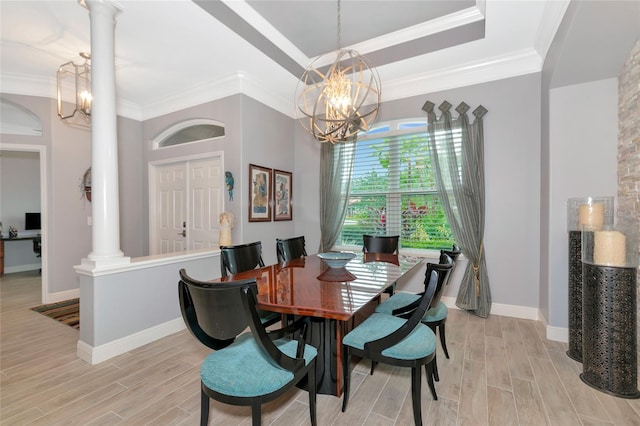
[443, 340]
[373, 366]
[430, 380]
[312, 385]
[204, 408]
[346, 366]
[256, 413]
[436, 377]
[416, 385]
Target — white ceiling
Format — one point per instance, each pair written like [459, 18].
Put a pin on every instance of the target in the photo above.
[179, 53]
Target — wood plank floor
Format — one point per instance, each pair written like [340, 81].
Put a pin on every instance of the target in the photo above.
[502, 371]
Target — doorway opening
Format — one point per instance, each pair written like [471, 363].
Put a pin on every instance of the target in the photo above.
[40, 150]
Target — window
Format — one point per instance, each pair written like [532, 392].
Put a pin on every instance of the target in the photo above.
[189, 131]
[393, 189]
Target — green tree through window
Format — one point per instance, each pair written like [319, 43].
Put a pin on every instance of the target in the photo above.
[393, 189]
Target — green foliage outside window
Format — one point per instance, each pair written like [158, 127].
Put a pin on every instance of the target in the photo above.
[393, 192]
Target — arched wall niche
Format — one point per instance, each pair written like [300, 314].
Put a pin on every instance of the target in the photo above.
[18, 120]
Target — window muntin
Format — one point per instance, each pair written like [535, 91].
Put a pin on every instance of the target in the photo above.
[393, 190]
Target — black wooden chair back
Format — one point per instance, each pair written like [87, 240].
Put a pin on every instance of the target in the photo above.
[240, 258]
[290, 248]
[380, 244]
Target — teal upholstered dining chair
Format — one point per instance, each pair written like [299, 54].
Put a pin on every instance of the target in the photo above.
[247, 367]
[404, 342]
[245, 257]
[436, 315]
[290, 248]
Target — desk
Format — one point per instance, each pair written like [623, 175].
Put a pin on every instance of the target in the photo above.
[330, 297]
[3, 239]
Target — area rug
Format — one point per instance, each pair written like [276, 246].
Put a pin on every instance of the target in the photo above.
[67, 312]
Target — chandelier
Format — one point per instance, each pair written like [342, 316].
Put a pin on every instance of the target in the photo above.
[336, 103]
[74, 90]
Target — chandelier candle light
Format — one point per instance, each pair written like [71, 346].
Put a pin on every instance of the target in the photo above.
[337, 102]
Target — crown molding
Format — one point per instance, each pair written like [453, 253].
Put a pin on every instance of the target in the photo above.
[435, 26]
[253, 18]
[497, 68]
[552, 18]
[28, 85]
[239, 83]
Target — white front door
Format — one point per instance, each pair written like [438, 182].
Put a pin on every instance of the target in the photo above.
[205, 190]
[188, 202]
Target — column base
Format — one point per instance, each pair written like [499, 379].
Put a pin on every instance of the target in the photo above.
[633, 395]
[574, 355]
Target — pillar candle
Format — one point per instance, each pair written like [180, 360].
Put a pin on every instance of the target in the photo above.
[225, 236]
[609, 248]
[591, 215]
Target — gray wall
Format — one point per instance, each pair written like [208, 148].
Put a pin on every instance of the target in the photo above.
[227, 111]
[512, 163]
[583, 133]
[259, 135]
[133, 223]
[68, 156]
[267, 141]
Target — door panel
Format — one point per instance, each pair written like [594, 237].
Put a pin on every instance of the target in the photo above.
[189, 200]
[206, 202]
[172, 209]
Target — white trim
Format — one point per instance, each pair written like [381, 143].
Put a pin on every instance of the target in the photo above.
[44, 209]
[558, 334]
[424, 29]
[95, 355]
[74, 293]
[21, 268]
[513, 311]
[147, 262]
[509, 65]
[512, 64]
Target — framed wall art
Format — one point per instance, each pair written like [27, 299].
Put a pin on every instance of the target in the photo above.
[259, 193]
[282, 190]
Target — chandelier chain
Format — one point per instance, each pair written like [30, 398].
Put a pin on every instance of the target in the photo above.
[339, 28]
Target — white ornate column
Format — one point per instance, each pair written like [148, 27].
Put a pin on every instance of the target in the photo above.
[104, 143]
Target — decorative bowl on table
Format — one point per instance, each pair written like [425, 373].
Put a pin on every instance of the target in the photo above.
[336, 259]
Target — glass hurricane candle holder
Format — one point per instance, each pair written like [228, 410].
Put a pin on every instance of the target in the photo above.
[615, 246]
[591, 212]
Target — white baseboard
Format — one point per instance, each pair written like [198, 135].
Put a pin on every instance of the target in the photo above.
[523, 312]
[74, 293]
[558, 334]
[95, 355]
[22, 268]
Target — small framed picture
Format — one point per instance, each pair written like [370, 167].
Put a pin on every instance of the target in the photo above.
[259, 193]
[282, 191]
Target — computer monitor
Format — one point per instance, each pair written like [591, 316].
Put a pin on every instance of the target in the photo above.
[31, 221]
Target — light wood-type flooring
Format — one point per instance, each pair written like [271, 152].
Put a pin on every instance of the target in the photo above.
[502, 371]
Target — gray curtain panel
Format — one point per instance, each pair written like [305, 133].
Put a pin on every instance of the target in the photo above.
[460, 180]
[336, 165]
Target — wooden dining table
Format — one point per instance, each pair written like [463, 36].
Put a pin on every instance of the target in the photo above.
[335, 300]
